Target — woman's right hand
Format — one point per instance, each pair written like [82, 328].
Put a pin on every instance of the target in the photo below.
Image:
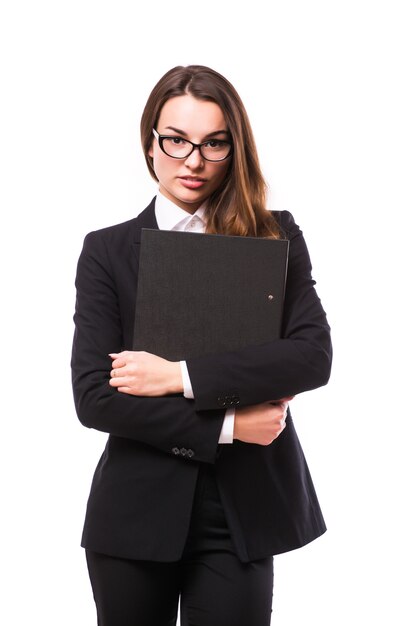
[261, 423]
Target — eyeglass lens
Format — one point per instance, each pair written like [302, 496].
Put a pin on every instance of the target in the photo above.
[214, 150]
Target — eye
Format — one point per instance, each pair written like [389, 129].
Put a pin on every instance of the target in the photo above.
[175, 141]
[215, 143]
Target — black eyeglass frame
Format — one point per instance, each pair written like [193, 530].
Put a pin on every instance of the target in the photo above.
[160, 139]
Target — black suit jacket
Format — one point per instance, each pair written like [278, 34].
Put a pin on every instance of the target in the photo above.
[142, 491]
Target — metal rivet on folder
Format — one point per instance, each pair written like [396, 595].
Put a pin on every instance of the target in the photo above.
[270, 297]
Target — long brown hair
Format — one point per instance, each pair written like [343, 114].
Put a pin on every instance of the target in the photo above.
[238, 207]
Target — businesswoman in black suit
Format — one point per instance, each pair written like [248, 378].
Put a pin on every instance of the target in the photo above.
[202, 479]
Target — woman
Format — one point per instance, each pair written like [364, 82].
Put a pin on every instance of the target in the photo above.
[202, 479]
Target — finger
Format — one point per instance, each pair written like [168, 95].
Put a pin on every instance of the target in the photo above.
[282, 423]
[117, 372]
[119, 362]
[118, 355]
[282, 403]
[280, 400]
[125, 390]
[282, 408]
[279, 403]
[118, 381]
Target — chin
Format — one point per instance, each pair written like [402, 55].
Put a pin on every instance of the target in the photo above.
[190, 197]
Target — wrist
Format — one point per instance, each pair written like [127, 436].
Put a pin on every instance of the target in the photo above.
[236, 426]
[175, 378]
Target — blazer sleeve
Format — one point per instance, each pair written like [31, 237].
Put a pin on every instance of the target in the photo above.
[167, 423]
[297, 362]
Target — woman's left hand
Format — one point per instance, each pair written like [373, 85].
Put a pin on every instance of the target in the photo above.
[145, 374]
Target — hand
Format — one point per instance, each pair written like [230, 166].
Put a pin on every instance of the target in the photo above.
[261, 423]
[145, 374]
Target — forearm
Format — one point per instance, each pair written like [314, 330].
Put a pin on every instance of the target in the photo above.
[297, 362]
[271, 371]
[166, 422]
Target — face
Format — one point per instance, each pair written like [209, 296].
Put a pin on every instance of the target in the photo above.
[188, 182]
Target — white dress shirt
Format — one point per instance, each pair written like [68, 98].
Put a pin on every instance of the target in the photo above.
[169, 216]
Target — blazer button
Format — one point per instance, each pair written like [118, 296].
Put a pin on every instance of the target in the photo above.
[190, 453]
[235, 400]
[183, 452]
[221, 401]
[175, 450]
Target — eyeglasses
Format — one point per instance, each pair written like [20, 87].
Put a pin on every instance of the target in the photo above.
[179, 148]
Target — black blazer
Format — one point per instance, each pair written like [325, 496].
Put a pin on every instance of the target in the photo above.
[142, 491]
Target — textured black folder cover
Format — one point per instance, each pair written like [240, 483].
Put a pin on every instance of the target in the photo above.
[200, 293]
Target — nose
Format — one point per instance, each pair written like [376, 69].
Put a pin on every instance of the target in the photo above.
[195, 160]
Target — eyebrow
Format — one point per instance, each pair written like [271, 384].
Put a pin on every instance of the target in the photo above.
[184, 134]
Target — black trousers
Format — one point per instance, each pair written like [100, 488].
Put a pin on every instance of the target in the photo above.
[213, 586]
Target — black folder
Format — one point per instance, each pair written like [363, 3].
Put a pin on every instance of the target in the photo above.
[200, 293]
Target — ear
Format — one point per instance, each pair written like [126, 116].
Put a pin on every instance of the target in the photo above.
[150, 151]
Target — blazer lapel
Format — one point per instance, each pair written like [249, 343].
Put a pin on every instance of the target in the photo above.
[146, 219]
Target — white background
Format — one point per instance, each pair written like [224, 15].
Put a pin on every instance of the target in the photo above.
[330, 88]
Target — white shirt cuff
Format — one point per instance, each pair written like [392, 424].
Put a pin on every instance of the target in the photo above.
[186, 382]
[226, 433]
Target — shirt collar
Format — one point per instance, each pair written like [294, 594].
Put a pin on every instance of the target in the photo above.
[169, 215]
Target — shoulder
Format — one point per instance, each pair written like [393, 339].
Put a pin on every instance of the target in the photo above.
[103, 245]
[111, 240]
[112, 233]
[124, 233]
[286, 222]
[298, 258]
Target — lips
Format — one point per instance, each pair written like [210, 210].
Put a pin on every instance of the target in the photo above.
[192, 182]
